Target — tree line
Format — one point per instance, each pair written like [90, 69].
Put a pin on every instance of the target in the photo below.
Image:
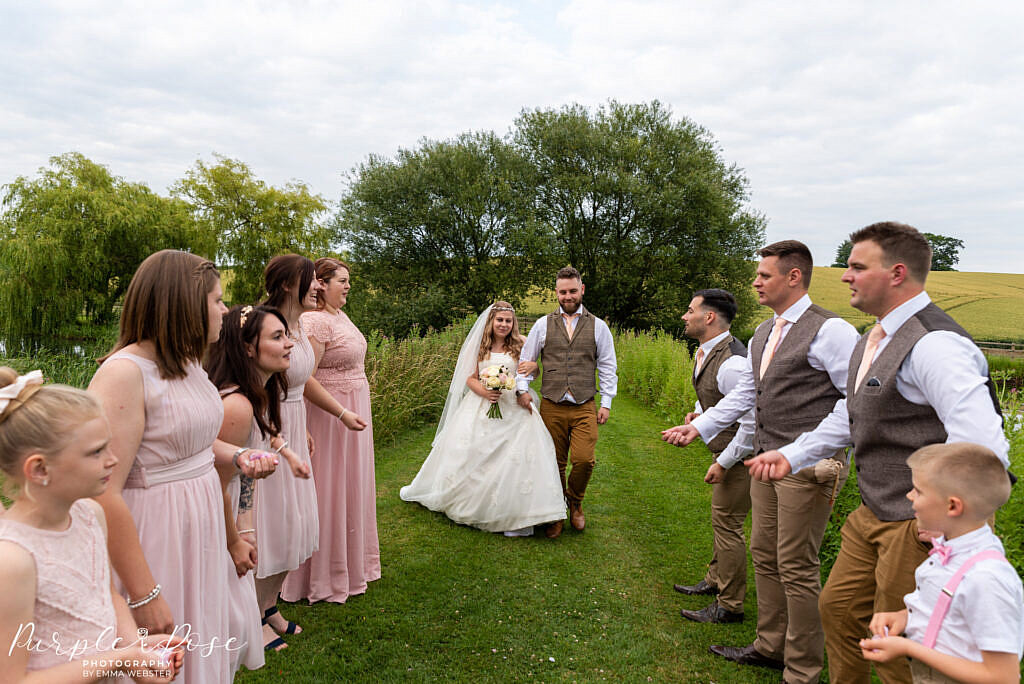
[641, 202]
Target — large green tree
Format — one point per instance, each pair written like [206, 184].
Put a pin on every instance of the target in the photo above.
[441, 231]
[643, 205]
[253, 221]
[70, 240]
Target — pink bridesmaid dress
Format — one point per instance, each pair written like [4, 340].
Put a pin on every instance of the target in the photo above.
[174, 495]
[349, 554]
[285, 506]
[72, 586]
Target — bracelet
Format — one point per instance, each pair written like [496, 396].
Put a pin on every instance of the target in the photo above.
[343, 412]
[238, 452]
[145, 599]
[283, 445]
[253, 531]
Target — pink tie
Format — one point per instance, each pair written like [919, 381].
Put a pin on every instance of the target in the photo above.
[568, 324]
[773, 343]
[699, 361]
[874, 337]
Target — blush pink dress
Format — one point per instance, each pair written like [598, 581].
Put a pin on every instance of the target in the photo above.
[174, 495]
[287, 529]
[349, 554]
[72, 587]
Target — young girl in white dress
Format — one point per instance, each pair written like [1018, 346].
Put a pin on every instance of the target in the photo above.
[58, 608]
[497, 474]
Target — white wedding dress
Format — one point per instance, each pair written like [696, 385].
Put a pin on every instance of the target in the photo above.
[499, 475]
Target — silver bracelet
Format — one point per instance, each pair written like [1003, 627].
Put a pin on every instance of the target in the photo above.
[238, 452]
[145, 599]
[283, 445]
[343, 412]
[253, 531]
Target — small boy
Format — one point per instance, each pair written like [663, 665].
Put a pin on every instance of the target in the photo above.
[972, 631]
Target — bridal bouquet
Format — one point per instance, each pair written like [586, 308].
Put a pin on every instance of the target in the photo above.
[497, 378]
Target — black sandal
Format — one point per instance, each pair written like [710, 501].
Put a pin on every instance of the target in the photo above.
[290, 629]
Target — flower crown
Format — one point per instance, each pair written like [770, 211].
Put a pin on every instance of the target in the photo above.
[503, 308]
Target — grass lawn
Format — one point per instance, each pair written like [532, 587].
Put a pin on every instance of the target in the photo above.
[458, 604]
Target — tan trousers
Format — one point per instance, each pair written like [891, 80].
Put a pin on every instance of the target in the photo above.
[788, 522]
[730, 503]
[573, 428]
[874, 571]
[924, 674]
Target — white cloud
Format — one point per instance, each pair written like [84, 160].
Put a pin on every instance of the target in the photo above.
[841, 113]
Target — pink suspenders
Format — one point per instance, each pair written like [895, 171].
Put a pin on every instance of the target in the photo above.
[946, 595]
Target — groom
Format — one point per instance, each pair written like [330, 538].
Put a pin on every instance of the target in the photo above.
[573, 345]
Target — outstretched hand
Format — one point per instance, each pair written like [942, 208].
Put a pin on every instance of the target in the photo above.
[769, 465]
[680, 435]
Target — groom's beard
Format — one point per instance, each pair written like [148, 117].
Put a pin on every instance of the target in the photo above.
[571, 308]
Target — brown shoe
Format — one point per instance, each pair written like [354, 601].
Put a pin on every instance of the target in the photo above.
[576, 517]
[554, 530]
[702, 588]
[712, 613]
[746, 655]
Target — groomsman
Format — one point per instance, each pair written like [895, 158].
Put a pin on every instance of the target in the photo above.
[718, 366]
[574, 346]
[797, 369]
[916, 379]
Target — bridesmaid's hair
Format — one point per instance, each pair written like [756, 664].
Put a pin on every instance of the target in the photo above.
[166, 304]
[40, 420]
[326, 267]
[285, 271]
[513, 341]
[229, 365]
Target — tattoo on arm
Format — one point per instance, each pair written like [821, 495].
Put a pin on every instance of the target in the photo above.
[245, 495]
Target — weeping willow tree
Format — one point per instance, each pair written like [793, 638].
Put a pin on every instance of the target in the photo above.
[70, 240]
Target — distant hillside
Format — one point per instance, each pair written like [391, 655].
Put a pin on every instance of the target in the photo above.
[989, 305]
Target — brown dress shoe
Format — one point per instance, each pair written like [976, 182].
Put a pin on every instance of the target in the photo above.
[712, 613]
[554, 529]
[576, 517]
[701, 588]
[746, 655]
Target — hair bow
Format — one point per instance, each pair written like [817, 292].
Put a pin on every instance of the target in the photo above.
[11, 392]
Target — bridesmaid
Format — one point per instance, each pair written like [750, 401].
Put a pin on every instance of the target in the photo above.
[286, 506]
[164, 505]
[349, 554]
[55, 572]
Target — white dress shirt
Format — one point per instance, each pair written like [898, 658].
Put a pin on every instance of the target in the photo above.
[944, 370]
[729, 375]
[987, 611]
[606, 364]
[829, 351]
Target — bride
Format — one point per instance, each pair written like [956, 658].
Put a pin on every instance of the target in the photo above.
[496, 474]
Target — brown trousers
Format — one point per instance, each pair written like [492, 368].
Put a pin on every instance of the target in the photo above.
[573, 428]
[788, 522]
[730, 503]
[874, 571]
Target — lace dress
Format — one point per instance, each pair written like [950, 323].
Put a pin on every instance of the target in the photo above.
[496, 474]
[349, 554]
[285, 506]
[73, 604]
[174, 495]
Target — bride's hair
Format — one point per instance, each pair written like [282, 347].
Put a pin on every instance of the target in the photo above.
[513, 341]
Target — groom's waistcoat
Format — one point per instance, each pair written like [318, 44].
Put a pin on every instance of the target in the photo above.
[569, 365]
[706, 385]
[886, 428]
[793, 396]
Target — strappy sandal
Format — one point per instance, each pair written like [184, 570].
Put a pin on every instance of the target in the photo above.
[277, 643]
[290, 629]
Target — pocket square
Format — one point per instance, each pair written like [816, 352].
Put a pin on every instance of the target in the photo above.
[873, 382]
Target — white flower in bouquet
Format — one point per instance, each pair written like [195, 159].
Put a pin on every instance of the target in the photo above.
[497, 377]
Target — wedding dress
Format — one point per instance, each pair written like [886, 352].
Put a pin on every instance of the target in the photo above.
[499, 475]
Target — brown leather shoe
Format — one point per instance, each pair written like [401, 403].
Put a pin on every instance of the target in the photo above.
[712, 613]
[554, 530]
[576, 517]
[746, 655]
[701, 588]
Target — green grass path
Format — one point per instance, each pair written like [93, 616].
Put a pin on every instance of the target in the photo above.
[458, 604]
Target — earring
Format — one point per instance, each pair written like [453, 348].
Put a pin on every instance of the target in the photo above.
[45, 482]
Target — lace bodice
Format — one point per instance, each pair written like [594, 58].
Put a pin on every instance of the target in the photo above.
[341, 367]
[72, 585]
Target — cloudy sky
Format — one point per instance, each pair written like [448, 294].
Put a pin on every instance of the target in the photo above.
[841, 114]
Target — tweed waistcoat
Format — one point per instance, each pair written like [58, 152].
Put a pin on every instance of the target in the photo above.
[886, 428]
[569, 365]
[792, 397]
[706, 384]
